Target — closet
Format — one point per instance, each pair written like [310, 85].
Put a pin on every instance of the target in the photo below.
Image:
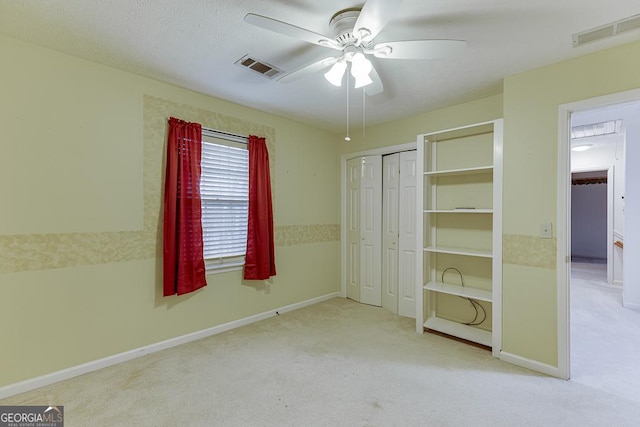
[381, 231]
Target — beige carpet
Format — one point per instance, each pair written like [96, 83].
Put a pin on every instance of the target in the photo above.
[337, 363]
[605, 336]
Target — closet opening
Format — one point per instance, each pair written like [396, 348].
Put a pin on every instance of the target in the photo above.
[378, 228]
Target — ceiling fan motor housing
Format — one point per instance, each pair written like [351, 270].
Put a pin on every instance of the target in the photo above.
[341, 26]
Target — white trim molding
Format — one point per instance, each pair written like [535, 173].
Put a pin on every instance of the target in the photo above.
[533, 365]
[54, 377]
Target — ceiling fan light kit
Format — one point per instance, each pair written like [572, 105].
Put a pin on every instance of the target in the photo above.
[363, 81]
[360, 69]
[336, 73]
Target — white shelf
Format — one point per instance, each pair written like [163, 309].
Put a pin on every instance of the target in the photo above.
[464, 211]
[460, 251]
[460, 330]
[463, 291]
[463, 171]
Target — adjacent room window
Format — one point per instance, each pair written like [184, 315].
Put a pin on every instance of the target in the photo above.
[224, 188]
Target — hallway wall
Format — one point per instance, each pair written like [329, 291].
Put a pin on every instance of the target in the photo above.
[589, 220]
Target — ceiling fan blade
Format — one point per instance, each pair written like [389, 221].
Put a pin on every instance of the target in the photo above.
[291, 30]
[308, 69]
[419, 49]
[374, 16]
[375, 87]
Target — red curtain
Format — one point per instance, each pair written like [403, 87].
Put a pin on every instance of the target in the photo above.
[260, 261]
[183, 260]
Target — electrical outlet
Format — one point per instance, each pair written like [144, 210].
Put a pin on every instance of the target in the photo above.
[267, 287]
[546, 230]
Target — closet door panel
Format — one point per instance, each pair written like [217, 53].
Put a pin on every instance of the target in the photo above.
[353, 229]
[390, 232]
[407, 234]
[371, 230]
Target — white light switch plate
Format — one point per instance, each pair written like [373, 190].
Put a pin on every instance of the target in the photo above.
[546, 230]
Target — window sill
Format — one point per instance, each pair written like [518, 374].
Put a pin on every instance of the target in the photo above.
[215, 268]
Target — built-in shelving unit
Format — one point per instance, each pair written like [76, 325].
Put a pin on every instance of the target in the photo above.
[460, 221]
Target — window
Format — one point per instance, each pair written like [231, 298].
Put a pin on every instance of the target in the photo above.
[224, 188]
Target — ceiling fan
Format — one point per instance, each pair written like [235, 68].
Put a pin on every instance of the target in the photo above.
[352, 34]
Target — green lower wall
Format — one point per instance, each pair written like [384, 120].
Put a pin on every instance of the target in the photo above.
[55, 319]
[529, 313]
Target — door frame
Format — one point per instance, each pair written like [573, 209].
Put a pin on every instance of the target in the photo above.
[563, 219]
[343, 201]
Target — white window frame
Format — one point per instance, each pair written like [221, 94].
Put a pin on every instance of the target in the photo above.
[227, 263]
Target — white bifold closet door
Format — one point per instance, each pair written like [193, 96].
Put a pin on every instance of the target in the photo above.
[399, 233]
[381, 231]
[364, 239]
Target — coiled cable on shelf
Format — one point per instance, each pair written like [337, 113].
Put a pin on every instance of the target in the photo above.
[477, 307]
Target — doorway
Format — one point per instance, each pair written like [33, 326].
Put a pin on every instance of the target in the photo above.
[602, 336]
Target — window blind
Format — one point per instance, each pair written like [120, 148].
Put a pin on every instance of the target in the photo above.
[224, 188]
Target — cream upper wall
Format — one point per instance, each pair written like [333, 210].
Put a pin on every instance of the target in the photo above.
[54, 133]
[531, 102]
[406, 130]
[83, 119]
[312, 198]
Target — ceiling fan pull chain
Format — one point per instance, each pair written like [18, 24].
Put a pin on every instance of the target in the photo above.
[364, 116]
[347, 138]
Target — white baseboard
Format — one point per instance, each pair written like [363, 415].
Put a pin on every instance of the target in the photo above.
[54, 377]
[533, 365]
[630, 305]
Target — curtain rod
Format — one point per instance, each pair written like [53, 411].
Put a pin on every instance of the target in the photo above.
[226, 135]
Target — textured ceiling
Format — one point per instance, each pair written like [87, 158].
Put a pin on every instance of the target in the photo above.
[195, 43]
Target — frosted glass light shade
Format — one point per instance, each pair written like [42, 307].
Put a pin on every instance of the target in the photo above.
[336, 73]
[360, 69]
[362, 81]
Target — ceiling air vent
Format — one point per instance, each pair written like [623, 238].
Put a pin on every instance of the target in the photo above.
[615, 28]
[596, 129]
[259, 67]
[628, 24]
